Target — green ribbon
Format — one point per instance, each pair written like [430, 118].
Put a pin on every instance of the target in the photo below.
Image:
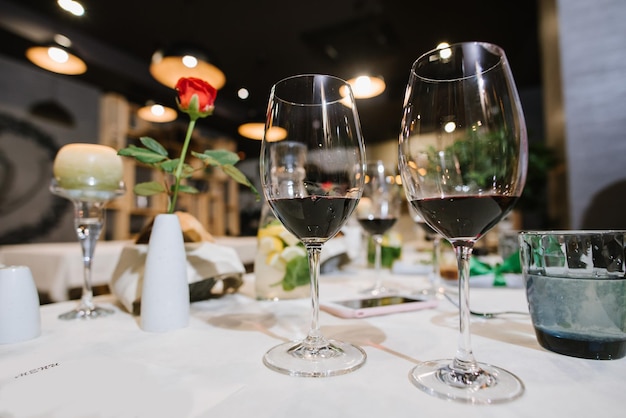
[510, 265]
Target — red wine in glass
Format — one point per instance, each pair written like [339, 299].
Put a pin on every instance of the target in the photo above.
[377, 226]
[464, 216]
[313, 217]
[377, 212]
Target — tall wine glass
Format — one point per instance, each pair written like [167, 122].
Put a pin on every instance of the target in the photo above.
[436, 288]
[313, 180]
[463, 158]
[377, 212]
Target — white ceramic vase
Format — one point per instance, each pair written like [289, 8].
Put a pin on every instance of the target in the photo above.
[165, 290]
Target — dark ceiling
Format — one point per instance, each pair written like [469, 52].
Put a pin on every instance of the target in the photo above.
[257, 42]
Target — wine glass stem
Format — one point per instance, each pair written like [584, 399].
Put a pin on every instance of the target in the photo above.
[464, 360]
[378, 255]
[378, 242]
[436, 279]
[88, 223]
[314, 338]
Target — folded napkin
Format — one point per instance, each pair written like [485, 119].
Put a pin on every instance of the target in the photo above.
[511, 264]
[212, 271]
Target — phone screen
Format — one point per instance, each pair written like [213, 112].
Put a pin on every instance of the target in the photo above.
[377, 301]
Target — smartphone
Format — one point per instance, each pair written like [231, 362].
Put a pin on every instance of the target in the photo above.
[376, 305]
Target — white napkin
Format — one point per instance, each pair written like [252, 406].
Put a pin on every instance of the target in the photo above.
[205, 260]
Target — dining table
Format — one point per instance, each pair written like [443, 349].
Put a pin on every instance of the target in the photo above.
[110, 367]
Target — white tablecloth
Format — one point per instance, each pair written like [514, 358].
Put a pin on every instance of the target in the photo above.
[58, 267]
[109, 367]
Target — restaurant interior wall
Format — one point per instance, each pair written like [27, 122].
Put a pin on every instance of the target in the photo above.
[28, 145]
[592, 55]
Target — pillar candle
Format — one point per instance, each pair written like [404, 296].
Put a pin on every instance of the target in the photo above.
[88, 166]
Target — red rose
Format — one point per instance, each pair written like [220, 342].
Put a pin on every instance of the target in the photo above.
[195, 97]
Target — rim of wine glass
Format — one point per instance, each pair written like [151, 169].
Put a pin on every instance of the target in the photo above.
[344, 91]
[494, 49]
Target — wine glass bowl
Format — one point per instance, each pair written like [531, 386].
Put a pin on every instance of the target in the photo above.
[313, 180]
[377, 213]
[463, 156]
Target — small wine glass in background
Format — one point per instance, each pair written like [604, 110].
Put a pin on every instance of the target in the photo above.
[313, 180]
[377, 212]
[463, 155]
[89, 175]
[436, 288]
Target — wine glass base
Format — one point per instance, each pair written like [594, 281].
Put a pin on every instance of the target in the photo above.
[86, 313]
[299, 359]
[488, 386]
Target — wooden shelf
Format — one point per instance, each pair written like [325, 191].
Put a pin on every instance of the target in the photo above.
[216, 206]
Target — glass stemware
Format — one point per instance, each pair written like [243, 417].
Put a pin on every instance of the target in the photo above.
[88, 221]
[463, 158]
[377, 212]
[313, 180]
[436, 288]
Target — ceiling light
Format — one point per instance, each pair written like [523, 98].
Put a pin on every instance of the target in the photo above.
[72, 7]
[365, 87]
[153, 112]
[56, 58]
[170, 64]
[243, 93]
[256, 130]
[444, 51]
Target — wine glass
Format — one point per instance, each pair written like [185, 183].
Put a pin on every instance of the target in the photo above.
[377, 211]
[436, 288]
[463, 157]
[313, 180]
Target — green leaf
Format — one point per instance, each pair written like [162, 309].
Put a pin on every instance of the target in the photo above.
[153, 145]
[185, 188]
[217, 157]
[187, 172]
[169, 166]
[297, 273]
[142, 155]
[149, 188]
[240, 178]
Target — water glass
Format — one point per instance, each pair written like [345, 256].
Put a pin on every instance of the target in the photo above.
[576, 291]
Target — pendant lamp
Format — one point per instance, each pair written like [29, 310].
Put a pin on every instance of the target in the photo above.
[185, 60]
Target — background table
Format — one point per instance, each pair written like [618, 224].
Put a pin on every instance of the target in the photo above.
[58, 267]
[109, 367]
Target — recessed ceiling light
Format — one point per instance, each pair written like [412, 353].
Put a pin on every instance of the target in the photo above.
[243, 93]
[72, 7]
